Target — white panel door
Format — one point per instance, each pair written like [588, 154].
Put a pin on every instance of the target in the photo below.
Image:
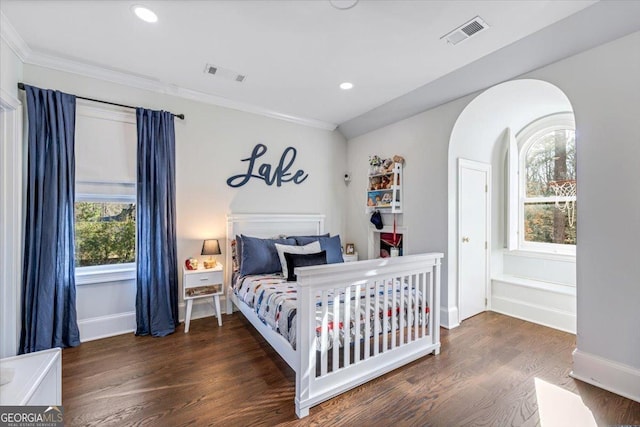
[473, 236]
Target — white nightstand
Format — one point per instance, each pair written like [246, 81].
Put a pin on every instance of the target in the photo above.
[202, 283]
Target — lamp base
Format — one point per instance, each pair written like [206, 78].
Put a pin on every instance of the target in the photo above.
[209, 264]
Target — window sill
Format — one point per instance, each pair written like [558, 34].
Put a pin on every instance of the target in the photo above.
[105, 273]
[541, 255]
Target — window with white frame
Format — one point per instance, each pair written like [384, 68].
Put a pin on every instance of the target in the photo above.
[105, 205]
[105, 231]
[546, 185]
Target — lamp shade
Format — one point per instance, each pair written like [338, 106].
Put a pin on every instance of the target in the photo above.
[211, 247]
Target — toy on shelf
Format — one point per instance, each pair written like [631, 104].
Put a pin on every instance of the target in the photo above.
[384, 189]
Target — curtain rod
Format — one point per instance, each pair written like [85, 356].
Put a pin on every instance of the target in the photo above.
[180, 116]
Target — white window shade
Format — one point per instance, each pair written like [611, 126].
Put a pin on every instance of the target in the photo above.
[105, 151]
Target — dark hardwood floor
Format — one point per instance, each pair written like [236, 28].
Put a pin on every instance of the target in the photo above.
[484, 376]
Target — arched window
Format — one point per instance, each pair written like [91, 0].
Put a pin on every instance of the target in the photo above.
[547, 185]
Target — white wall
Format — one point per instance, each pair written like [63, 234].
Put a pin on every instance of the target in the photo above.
[543, 267]
[603, 87]
[423, 141]
[10, 200]
[209, 146]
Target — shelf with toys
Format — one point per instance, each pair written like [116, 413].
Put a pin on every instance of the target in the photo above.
[384, 186]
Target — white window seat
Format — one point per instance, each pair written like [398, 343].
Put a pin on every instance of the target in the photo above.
[559, 288]
[545, 303]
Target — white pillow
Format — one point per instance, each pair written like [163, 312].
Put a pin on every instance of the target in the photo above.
[311, 248]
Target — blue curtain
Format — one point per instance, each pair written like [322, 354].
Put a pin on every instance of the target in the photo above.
[157, 264]
[48, 282]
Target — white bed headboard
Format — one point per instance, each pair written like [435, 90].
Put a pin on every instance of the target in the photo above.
[268, 226]
[272, 225]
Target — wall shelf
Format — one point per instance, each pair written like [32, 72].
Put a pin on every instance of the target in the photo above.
[384, 191]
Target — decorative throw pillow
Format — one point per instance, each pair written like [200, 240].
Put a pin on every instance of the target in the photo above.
[311, 248]
[234, 255]
[259, 256]
[303, 260]
[332, 245]
[239, 251]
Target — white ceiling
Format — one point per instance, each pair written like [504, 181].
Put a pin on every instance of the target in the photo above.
[294, 53]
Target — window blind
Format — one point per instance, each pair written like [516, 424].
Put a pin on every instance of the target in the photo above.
[105, 151]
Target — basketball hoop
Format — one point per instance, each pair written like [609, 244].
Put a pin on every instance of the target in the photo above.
[565, 192]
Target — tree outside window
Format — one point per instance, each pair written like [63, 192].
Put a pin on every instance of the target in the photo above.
[549, 215]
[105, 233]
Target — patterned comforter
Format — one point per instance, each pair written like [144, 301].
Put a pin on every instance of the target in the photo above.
[274, 300]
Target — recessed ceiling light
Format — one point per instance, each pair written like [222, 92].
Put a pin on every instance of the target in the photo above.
[144, 13]
[346, 86]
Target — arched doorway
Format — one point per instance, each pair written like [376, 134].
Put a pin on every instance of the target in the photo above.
[483, 133]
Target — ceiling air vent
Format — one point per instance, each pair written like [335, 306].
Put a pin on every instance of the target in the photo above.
[465, 31]
[224, 73]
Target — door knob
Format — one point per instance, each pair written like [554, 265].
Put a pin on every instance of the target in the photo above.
[465, 240]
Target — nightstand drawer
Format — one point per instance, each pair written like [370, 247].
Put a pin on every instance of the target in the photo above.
[203, 279]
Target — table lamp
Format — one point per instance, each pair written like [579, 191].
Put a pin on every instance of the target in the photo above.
[210, 247]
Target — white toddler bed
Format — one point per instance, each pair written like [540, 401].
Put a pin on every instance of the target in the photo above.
[386, 312]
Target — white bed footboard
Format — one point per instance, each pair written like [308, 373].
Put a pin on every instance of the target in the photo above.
[386, 313]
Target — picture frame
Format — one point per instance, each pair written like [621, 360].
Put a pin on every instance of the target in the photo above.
[349, 249]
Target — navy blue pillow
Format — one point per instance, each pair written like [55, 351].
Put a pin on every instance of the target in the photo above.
[332, 245]
[259, 256]
[303, 260]
[307, 237]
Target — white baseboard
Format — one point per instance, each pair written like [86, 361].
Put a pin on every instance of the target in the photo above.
[449, 317]
[615, 377]
[107, 326]
[123, 323]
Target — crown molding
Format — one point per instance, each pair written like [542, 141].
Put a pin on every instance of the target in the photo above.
[13, 39]
[147, 83]
[247, 108]
[53, 62]
[32, 57]
[8, 101]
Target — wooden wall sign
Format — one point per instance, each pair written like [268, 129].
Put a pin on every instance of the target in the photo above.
[278, 176]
